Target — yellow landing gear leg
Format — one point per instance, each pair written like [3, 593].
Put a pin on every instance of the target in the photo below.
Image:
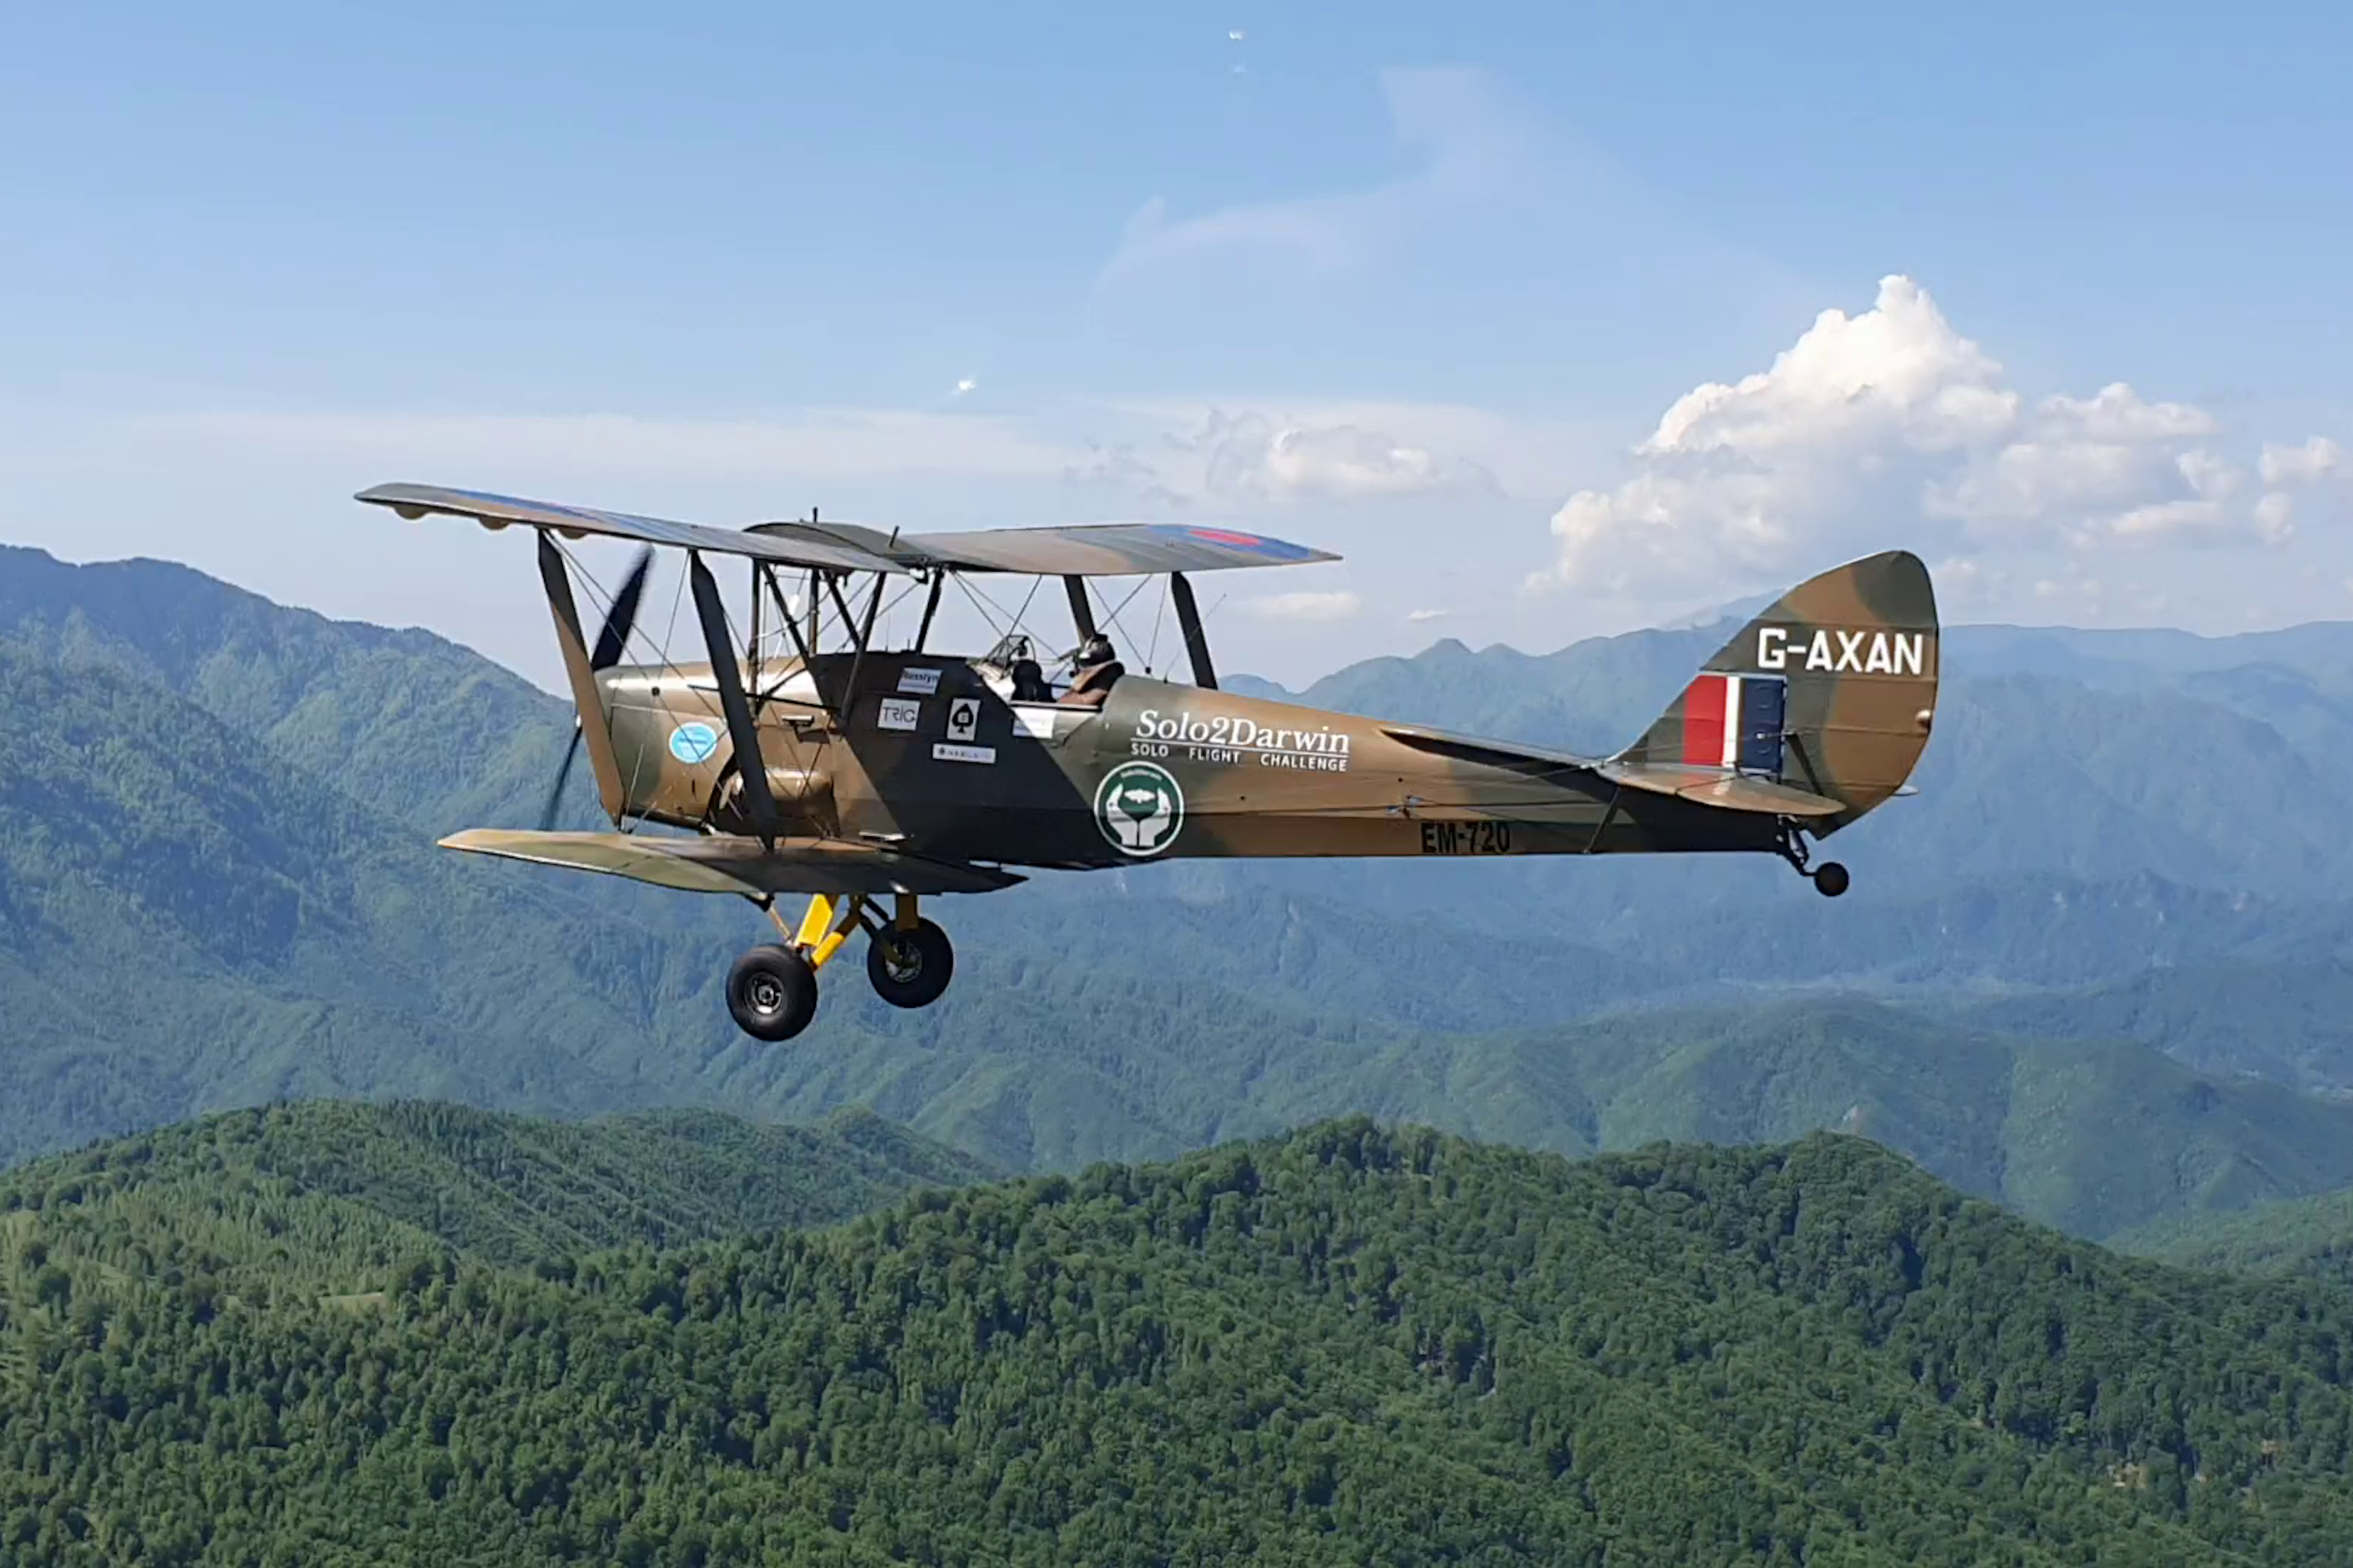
[829, 919]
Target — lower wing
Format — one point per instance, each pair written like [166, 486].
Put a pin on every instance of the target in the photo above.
[725, 863]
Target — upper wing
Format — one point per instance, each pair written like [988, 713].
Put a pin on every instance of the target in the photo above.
[1093, 550]
[1107, 549]
[726, 864]
[794, 549]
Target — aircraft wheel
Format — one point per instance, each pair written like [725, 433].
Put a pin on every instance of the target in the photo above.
[771, 992]
[1830, 878]
[909, 968]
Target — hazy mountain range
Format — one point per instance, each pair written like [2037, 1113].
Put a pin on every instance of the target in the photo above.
[218, 886]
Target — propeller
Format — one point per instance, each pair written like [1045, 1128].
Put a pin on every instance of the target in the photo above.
[610, 642]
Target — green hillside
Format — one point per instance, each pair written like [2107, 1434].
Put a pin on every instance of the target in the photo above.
[2310, 1235]
[192, 925]
[1345, 1346]
[2088, 1136]
[326, 1192]
[2283, 1020]
[288, 940]
[403, 722]
[217, 891]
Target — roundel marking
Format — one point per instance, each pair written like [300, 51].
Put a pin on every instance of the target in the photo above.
[1140, 807]
[693, 741]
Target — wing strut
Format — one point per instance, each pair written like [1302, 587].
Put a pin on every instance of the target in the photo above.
[1083, 614]
[1196, 642]
[750, 765]
[602, 762]
[865, 636]
[930, 608]
[803, 645]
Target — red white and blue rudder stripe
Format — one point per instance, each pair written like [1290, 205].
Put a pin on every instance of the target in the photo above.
[1734, 721]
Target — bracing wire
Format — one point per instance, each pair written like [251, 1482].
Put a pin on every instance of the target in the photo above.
[1131, 592]
[982, 602]
[1153, 652]
[1022, 613]
[599, 594]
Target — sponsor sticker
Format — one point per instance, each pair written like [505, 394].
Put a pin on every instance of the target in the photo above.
[899, 713]
[693, 743]
[1139, 807]
[1229, 740]
[944, 752]
[918, 682]
[963, 718]
[1038, 723]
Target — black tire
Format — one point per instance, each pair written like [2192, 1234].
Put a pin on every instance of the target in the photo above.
[1830, 878]
[772, 993]
[909, 968]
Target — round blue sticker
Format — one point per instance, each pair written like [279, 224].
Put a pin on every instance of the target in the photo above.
[693, 741]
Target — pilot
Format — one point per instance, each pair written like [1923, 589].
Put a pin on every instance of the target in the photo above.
[1029, 681]
[1097, 667]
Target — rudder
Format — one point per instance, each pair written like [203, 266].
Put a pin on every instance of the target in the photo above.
[1832, 689]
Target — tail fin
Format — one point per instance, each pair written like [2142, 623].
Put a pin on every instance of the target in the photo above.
[1831, 690]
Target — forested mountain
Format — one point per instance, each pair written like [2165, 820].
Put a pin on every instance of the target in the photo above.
[2310, 1235]
[402, 721]
[324, 1190]
[217, 887]
[1345, 1345]
[2282, 1018]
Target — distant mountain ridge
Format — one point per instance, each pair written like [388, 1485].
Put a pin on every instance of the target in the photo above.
[234, 803]
[358, 1191]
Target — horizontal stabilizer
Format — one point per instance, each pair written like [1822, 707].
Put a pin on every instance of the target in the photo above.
[1713, 787]
[1702, 786]
[726, 863]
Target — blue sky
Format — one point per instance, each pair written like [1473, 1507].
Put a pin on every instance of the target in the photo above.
[1418, 284]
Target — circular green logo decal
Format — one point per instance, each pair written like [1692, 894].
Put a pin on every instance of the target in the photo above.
[1139, 808]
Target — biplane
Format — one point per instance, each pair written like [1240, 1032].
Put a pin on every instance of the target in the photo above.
[800, 757]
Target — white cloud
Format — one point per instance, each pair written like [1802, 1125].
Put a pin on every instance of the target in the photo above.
[1306, 607]
[1418, 617]
[1247, 457]
[2318, 458]
[1524, 454]
[1891, 427]
[965, 385]
[2272, 513]
[1122, 468]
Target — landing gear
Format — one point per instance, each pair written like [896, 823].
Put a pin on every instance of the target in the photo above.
[771, 992]
[772, 989]
[910, 966]
[1830, 878]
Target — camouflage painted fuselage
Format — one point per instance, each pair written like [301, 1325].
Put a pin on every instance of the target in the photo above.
[931, 755]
